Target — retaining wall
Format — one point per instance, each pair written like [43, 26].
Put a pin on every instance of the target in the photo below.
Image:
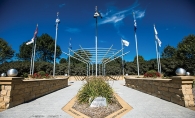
[177, 89]
[16, 90]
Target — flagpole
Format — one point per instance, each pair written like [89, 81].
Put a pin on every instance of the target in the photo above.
[157, 55]
[159, 60]
[157, 49]
[31, 60]
[69, 59]
[136, 44]
[34, 55]
[96, 15]
[122, 57]
[57, 21]
[96, 48]
[137, 55]
[69, 64]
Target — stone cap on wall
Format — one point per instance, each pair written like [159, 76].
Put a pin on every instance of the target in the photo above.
[149, 79]
[183, 77]
[10, 80]
[28, 80]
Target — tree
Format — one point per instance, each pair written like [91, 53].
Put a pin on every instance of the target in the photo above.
[62, 60]
[45, 48]
[6, 51]
[25, 52]
[140, 59]
[168, 52]
[45, 45]
[186, 53]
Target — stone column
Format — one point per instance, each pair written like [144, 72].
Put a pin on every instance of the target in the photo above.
[186, 86]
[6, 96]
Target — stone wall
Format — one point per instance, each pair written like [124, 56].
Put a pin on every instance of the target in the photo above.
[177, 89]
[15, 90]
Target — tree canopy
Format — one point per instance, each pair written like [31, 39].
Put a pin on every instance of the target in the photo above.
[6, 51]
[45, 45]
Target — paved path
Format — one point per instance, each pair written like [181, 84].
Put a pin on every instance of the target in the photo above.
[144, 105]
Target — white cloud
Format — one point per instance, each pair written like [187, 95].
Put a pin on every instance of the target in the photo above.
[139, 14]
[114, 16]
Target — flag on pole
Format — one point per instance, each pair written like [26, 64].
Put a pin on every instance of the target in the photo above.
[124, 42]
[35, 35]
[135, 25]
[156, 36]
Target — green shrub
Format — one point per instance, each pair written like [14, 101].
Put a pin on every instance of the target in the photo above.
[95, 87]
[25, 75]
[42, 73]
[151, 74]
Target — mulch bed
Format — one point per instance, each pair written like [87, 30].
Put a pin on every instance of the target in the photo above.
[97, 112]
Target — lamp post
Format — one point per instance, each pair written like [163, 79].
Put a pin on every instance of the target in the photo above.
[57, 22]
[96, 15]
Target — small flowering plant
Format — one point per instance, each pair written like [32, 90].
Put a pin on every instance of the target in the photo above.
[40, 75]
[152, 74]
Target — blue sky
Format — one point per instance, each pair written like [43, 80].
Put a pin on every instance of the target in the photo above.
[174, 19]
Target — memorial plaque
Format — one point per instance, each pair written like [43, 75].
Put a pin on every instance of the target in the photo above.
[99, 102]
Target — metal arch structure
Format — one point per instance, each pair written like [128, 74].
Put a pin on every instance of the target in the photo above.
[88, 56]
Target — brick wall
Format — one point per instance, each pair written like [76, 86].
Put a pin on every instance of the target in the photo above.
[177, 89]
[15, 90]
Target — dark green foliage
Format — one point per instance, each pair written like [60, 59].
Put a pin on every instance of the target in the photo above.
[25, 75]
[24, 67]
[169, 52]
[95, 87]
[42, 73]
[62, 60]
[183, 56]
[25, 52]
[45, 46]
[6, 51]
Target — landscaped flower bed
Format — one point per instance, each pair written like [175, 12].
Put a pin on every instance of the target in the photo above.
[151, 74]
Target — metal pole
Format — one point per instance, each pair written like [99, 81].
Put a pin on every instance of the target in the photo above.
[122, 57]
[99, 69]
[69, 64]
[57, 21]
[96, 50]
[34, 56]
[137, 55]
[104, 69]
[92, 69]
[89, 69]
[136, 44]
[31, 62]
[157, 56]
[159, 60]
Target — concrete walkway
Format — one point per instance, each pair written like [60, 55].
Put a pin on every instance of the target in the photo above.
[144, 105]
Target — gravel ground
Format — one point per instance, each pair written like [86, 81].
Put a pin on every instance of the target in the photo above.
[97, 112]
